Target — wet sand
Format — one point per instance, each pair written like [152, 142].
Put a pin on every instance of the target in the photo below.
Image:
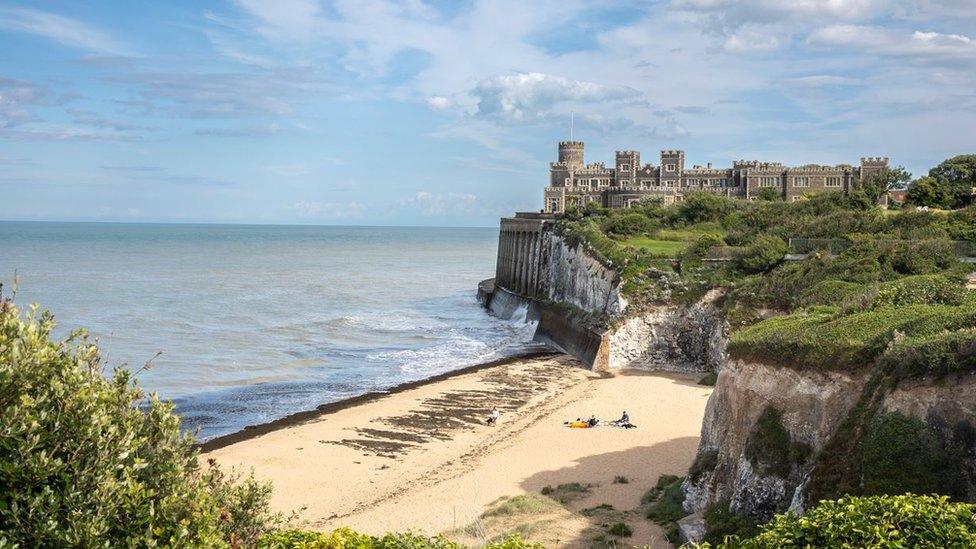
[422, 458]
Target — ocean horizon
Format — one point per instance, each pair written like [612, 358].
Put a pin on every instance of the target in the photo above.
[255, 322]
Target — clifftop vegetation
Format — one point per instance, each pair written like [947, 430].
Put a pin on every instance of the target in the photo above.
[866, 276]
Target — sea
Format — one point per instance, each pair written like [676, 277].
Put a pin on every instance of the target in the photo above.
[244, 324]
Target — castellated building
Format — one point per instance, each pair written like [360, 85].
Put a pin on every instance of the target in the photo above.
[573, 182]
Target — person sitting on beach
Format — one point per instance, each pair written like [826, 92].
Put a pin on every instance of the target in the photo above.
[593, 421]
[624, 421]
[493, 416]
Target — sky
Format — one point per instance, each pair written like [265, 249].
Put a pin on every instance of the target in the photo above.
[376, 112]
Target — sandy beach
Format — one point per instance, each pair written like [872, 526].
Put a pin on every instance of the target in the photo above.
[422, 458]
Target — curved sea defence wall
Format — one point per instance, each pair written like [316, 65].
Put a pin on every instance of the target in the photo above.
[578, 303]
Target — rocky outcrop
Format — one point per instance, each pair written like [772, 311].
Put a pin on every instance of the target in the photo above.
[573, 276]
[763, 425]
[671, 337]
[766, 429]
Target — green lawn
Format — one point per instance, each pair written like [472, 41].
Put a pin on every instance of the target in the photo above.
[667, 248]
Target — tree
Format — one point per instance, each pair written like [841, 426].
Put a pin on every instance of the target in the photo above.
[931, 192]
[959, 174]
[768, 194]
[886, 180]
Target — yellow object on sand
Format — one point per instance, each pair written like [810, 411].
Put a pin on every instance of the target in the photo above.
[579, 424]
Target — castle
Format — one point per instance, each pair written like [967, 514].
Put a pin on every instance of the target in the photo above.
[572, 182]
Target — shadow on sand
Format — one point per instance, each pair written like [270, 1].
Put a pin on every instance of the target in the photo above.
[599, 471]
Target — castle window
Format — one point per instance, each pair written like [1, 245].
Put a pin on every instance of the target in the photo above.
[768, 181]
[670, 167]
[801, 181]
[625, 167]
[832, 182]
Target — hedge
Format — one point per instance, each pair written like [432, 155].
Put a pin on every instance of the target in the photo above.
[878, 522]
[823, 341]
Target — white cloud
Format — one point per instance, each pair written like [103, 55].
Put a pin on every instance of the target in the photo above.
[752, 40]
[438, 103]
[529, 96]
[285, 19]
[880, 40]
[60, 29]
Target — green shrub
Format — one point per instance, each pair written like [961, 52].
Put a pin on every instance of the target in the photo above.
[763, 254]
[924, 257]
[937, 355]
[901, 454]
[705, 462]
[631, 224]
[666, 500]
[89, 461]
[721, 522]
[621, 530]
[880, 522]
[847, 342]
[830, 292]
[910, 290]
[768, 194]
[702, 206]
[770, 448]
[344, 538]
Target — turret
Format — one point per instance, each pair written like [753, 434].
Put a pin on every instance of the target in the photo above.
[872, 166]
[571, 154]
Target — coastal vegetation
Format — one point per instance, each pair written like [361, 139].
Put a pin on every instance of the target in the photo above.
[829, 283]
[906, 520]
[88, 460]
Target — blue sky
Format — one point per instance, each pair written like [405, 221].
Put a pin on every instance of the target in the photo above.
[447, 113]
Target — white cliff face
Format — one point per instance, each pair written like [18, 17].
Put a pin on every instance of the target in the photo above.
[671, 338]
[943, 403]
[812, 405]
[667, 337]
[575, 277]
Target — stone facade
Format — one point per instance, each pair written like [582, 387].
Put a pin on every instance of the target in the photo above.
[573, 182]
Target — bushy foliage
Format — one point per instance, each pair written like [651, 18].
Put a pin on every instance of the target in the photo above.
[880, 522]
[930, 192]
[631, 224]
[910, 290]
[959, 175]
[89, 461]
[770, 448]
[664, 504]
[823, 341]
[935, 355]
[344, 538]
[901, 454]
[702, 206]
[830, 292]
[764, 253]
[722, 523]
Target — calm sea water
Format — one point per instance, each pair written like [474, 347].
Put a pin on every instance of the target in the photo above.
[256, 322]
